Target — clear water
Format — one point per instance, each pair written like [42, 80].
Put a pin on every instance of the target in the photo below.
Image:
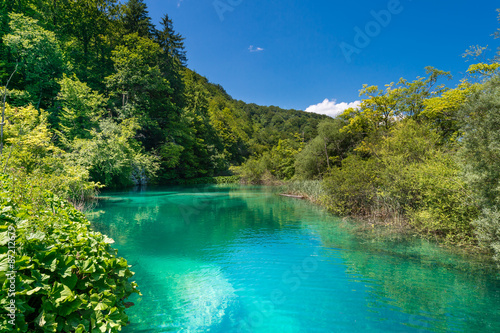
[242, 259]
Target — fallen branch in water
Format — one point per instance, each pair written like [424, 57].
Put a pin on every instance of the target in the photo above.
[293, 196]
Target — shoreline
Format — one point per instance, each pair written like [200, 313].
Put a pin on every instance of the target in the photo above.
[378, 225]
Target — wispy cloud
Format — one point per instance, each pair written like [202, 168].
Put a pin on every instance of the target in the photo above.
[255, 49]
[331, 107]
[179, 3]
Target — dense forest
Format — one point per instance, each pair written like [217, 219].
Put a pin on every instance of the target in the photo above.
[95, 95]
[98, 83]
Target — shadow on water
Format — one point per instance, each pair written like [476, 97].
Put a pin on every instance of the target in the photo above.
[241, 259]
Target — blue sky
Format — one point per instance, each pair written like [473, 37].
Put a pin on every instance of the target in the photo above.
[289, 53]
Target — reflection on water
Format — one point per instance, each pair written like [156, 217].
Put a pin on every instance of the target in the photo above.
[241, 259]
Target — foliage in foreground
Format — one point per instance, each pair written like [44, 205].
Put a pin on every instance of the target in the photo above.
[69, 279]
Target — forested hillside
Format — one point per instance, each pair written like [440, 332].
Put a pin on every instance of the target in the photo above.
[105, 95]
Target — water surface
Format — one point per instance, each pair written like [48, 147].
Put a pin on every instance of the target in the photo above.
[242, 259]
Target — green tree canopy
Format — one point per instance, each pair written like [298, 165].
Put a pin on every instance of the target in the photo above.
[39, 53]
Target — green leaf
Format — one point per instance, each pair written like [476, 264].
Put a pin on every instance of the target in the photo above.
[70, 307]
[80, 329]
[4, 267]
[66, 267]
[61, 293]
[53, 265]
[100, 307]
[32, 291]
[4, 238]
[108, 240]
[38, 235]
[88, 267]
[23, 262]
[70, 281]
[47, 321]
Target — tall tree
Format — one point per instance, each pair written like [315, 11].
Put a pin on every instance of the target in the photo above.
[381, 109]
[136, 19]
[81, 108]
[140, 90]
[88, 29]
[40, 56]
[173, 58]
[170, 41]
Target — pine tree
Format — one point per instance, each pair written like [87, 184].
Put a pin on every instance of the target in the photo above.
[174, 58]
[136, 19]
[171, 42]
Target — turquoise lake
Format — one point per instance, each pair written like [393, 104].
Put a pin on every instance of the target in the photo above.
[243, 259]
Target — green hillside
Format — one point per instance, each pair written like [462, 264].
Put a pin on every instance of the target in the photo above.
[116, 97]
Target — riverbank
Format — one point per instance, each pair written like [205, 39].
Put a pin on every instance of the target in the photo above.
[206, 180]
[64, 274]
[381, 222]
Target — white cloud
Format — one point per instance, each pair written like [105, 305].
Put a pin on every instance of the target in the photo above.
[255, 49]
[331, 107]
[179, 3]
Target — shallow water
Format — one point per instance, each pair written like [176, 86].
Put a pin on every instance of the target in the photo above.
[242, 259]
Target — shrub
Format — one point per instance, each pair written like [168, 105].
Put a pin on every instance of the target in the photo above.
[312, 189]
[68, 278]
[444, 206]
[208, 180]
[423, 182]
[408, 175]
[254, 170]
[30, 153]
[481, 159]
[113, 157]
[352, 188]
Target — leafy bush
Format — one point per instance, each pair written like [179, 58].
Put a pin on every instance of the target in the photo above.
[352, 188]
[255, 170]
[113, 157]
[68, 278]
[487, 226]
[444, 206]
[30, 153]
[227, 179]
[425, 182]
[481, 159]
[27, 139]
[408, 175]
[276, 164]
